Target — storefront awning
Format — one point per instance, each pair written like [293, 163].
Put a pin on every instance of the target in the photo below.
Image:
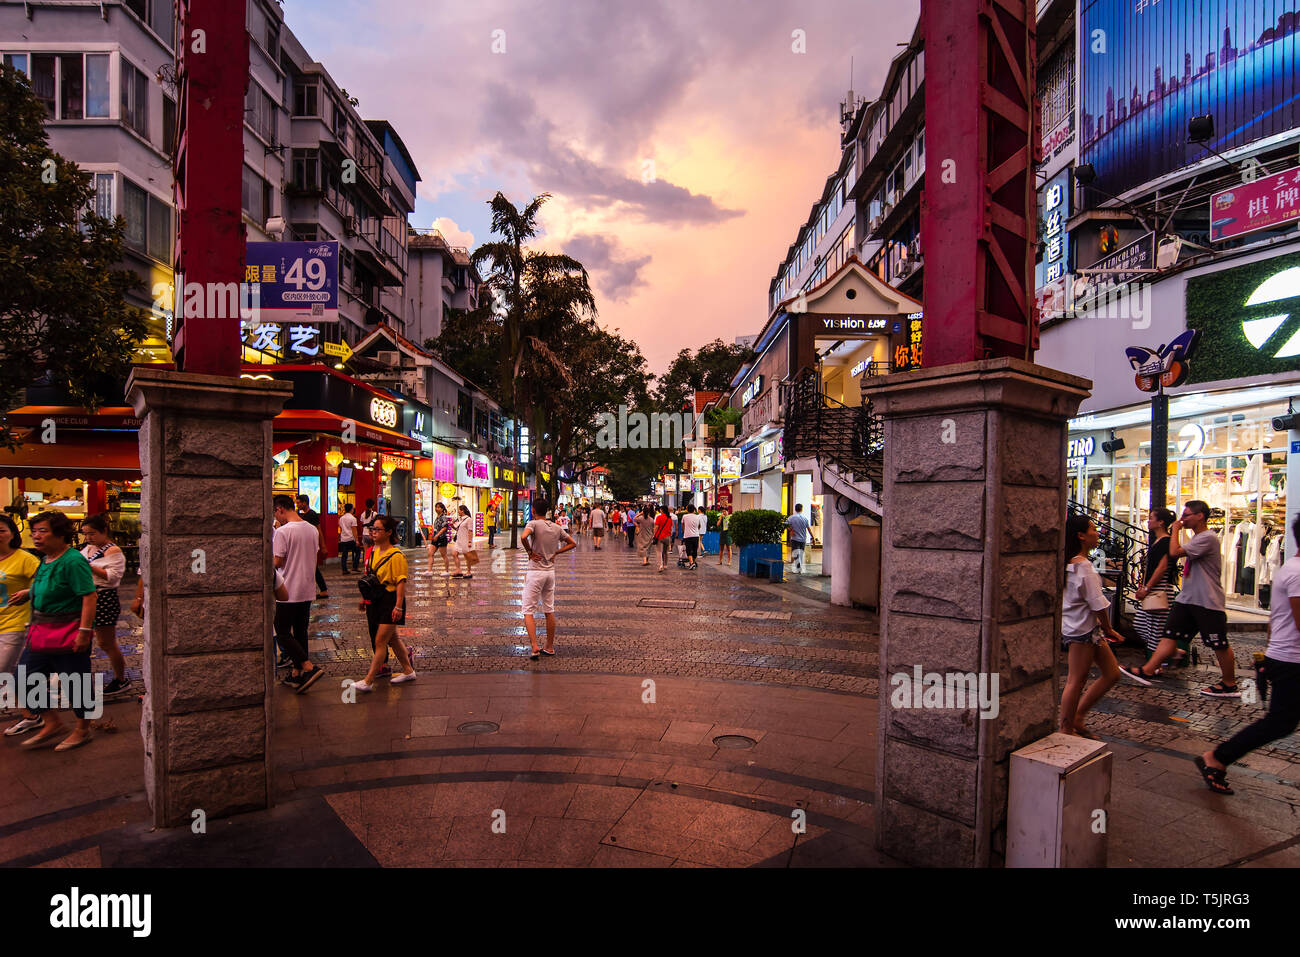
[88, 456]
[316, 420]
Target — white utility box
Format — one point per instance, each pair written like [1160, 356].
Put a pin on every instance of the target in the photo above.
[1059, 803]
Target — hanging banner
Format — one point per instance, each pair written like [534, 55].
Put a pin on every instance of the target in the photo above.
[295, 281]
[701, 463]
[730, 462]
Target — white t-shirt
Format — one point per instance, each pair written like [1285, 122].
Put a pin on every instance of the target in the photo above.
[598, 518]
[347, 527]
[114, 564]
[1284, 637]
[367, 522]
[691, 525]
[1083, 598]
[297, 543]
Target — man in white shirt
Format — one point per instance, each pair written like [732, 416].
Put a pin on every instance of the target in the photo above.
[294, 547]
[598, 525]
[543, 540]
[348, 540]
[691, 522]
[1281, 669]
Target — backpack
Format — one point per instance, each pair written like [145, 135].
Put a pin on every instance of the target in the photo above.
[372, 589]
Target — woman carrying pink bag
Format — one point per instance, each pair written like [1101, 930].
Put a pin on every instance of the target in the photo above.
[58, 640]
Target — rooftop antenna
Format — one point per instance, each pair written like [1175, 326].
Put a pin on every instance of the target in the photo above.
[849, 105]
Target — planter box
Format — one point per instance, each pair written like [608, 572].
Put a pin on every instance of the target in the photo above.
[709, 543]
[750, 552]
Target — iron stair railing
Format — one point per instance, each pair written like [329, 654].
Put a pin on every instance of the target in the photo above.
[816, 426]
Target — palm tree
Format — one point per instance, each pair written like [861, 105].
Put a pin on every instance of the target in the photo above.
[539, 293]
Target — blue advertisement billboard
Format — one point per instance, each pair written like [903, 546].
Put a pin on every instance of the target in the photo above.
[1146, 66]
[296, 281]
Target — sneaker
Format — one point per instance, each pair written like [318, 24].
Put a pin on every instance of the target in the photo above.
[116, 687]
[284, 661]
[307, 679]
[25, 725]
[398, 679]
[361, 685]
[1221, 690]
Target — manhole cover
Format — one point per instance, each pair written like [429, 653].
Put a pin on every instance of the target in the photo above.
[760, 615]
[478, 727]
[666, 603]
[737, 742]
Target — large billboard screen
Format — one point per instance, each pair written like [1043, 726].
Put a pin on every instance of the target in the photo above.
[1146, 66]
[298, 281]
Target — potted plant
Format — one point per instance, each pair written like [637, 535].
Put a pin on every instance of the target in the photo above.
[757, 533]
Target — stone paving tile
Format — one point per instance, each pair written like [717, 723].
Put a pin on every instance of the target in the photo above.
[609, 856]
[557, 840]
[90, 857]
[472, 838]
[596, 802]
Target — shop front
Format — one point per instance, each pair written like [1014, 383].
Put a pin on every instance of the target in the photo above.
[1222, 450]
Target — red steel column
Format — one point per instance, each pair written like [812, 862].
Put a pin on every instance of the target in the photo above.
[212, 61]
[978, 217]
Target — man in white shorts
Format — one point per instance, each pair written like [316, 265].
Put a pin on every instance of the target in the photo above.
[543, 540]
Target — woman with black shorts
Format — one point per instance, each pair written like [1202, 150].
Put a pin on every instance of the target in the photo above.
[107, 565]
[386, 612]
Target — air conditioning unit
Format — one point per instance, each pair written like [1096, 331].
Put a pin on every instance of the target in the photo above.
[874, 224]
[350, 227]
[389, 358]
[898, 196]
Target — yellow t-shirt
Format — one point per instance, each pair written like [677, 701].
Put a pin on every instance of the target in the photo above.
[394, 571]
[16, 573]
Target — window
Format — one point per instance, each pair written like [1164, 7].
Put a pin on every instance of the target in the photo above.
[162, 18]
[306, 170]
[18, 61]
[256, 196]
[70, 87]
[306, 98]
[259, 111]
[169, 124]
[43, 67]
[264, 28]
[96, 85]
[1058, 92]
[135, 208]
[148, 220]
[103, 201]
[135, 99]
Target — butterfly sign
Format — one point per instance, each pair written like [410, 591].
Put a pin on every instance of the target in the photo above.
[1166, 366]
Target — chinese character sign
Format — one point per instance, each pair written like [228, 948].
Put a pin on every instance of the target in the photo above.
[1266, 203]
[297, 282]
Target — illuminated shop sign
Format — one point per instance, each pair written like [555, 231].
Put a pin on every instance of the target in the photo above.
[383, 412]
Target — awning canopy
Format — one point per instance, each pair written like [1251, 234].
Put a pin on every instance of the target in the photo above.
[89, 456]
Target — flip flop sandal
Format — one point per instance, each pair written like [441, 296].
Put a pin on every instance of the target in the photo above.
[65, 745]
[36, 744]
[1215, 779]
[548, 654]
[535, 656]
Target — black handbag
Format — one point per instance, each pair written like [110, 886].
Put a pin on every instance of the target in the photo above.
[372, 589]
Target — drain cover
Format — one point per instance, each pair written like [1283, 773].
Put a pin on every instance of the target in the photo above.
[760, 615]
[737, 742]
[666, 603]
[478, 727]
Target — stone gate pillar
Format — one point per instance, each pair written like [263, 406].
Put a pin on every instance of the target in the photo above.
[205, 556]
[974, 506]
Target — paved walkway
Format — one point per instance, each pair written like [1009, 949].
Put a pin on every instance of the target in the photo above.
[585, 768]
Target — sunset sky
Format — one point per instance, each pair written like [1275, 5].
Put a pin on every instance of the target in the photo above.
[592, 97]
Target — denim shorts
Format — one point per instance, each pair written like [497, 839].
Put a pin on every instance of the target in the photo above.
[1091, 638]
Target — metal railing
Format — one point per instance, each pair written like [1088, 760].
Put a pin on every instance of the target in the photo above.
[816, 426]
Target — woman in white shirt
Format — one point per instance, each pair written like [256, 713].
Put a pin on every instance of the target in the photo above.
[108, 565]
[1085, 628]
[464, 541]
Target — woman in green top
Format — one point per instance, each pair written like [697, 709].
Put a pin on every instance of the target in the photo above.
[62, 593]
[724, 534]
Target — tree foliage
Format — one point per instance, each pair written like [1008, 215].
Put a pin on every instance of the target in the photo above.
[64, 318]
[711, 368]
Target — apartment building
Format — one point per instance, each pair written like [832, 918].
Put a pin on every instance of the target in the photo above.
[439, 279]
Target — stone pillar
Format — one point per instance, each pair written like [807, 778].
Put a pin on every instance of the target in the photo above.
[837, 541]
[974, 506]
[205, 556]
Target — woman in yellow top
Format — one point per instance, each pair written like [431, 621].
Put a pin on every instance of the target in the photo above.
[384, 615]
[17, 567]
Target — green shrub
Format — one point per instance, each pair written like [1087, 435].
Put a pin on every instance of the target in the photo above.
[713, 516]
[757, 526]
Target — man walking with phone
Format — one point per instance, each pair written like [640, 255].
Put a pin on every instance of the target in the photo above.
[1199, 607]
